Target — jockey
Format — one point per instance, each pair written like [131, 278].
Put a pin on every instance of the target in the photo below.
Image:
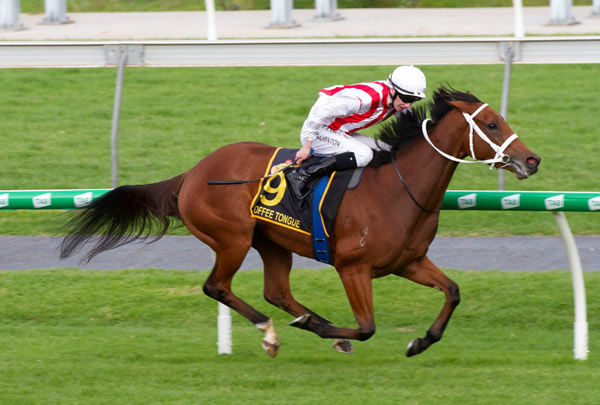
[340, 111]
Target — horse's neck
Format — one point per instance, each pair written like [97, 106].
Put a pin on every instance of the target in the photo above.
[429, 173]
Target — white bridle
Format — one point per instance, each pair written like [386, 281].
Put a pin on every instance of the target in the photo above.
[500, 156]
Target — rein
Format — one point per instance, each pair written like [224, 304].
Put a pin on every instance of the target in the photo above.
[500, 156]
[412, 197]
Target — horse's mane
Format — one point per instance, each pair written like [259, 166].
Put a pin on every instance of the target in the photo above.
[401, 132]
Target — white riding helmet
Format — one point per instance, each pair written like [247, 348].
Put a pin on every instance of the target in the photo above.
[408, 80]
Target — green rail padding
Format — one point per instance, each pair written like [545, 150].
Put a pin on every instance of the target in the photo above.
[521, 200]
[453, 200]
[47, 199]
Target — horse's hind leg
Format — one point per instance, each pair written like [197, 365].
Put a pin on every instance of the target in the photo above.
[277, 266]
[424, 272]
[218, 286]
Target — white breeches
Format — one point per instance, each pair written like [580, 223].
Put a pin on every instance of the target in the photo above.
[328, 142]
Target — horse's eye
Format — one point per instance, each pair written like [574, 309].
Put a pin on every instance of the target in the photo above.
[492, 125]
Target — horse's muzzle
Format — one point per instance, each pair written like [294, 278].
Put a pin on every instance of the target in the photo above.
[526, 167]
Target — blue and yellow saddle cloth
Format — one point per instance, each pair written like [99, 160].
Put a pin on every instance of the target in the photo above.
[314, 215]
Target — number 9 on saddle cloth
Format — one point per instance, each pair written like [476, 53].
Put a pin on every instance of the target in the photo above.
[313, 214]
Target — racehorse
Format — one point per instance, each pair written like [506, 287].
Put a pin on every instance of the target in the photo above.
[383, 227]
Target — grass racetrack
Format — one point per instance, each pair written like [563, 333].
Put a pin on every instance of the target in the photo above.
[149, 336]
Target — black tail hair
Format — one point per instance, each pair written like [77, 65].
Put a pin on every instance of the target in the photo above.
[123, 215]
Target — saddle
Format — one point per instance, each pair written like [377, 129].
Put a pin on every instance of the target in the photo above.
[313, 215]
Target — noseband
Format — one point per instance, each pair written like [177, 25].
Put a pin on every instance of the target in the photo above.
[500, 156]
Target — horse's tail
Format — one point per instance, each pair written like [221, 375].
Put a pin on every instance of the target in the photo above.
[123, 215]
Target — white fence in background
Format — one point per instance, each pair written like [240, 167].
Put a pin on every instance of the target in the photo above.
[419, 51]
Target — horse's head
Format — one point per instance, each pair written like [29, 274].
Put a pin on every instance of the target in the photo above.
[483, 133]
[491, 140]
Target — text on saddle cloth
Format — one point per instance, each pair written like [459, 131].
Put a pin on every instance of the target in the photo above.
[275, 202]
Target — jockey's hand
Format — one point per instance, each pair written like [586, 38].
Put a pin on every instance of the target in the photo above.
[303, 154]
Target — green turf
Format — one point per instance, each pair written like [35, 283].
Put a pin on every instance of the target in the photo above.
[56, 128]
[149, 336]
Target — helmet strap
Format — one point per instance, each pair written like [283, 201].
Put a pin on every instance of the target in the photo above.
[393, 97]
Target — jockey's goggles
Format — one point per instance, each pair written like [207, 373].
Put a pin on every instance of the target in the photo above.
[406, 98]
[400, 92]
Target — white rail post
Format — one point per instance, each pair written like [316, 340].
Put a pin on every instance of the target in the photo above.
[327, 9]
[596, 7]
[56, 12]
[9, 15]
[508, 58]
[560, 12]
[114, 132]
[281, 14]
[580, 334]
[211, 26]
[519, 26]
[224, 329]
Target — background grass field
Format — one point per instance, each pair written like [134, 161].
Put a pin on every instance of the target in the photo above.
[149, 336]
[56, 125]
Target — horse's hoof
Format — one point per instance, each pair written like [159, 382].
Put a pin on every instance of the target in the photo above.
[301, 322]
[413, 348]
[271, 348]
[343, 346]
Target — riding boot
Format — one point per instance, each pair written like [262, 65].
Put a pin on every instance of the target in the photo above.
[298, 179]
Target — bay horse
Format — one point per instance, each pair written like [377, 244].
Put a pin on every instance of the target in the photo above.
[383, 227]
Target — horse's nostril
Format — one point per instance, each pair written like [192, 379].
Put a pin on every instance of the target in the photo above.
[532, 162]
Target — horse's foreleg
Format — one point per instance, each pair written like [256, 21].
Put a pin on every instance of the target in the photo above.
[424, 272]
[277, 266]
[358, 286]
